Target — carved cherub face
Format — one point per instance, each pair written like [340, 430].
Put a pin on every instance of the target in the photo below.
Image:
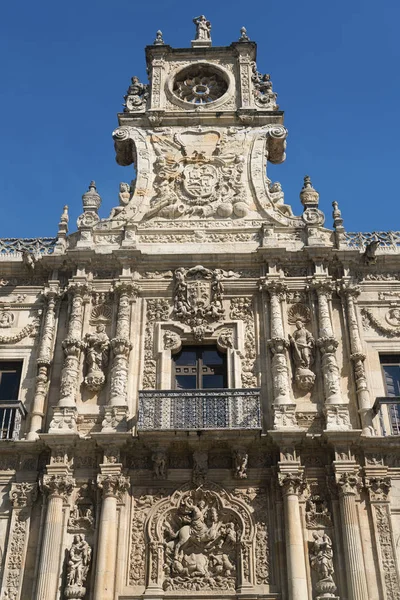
[100, 328]
[124, 187]
[276, 187]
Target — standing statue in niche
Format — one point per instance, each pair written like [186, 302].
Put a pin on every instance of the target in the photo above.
[77, 567]
[203, 28]
[303, 351]
[97, 350]
[321, 560]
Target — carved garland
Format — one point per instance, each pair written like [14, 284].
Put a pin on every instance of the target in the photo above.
[25, 332]
[388, 331]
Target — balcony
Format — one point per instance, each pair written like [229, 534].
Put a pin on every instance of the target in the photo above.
[199, 409]
[388, 409]
[11, 414]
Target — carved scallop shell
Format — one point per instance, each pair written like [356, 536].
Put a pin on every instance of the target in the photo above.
[101, 313]
[299, 312]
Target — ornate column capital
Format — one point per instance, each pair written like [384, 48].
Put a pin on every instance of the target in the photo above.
[80, 289]
[348, 289]
[278, 345]
[113, 485]
[323, 286]
[327, 345]
[378, 488]
[292, 483]
[58, 486]
[348, 482]
[274, 287]
[127, 288]
[23, 494]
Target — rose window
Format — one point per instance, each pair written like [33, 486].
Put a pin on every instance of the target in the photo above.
[199, 85]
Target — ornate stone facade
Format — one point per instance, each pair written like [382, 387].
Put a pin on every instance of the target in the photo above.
[278, 476]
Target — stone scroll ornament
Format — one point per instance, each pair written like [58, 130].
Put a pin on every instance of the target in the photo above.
[200, 540]
[198, 297]
[78, 564]
[321, 560]
[302, 344]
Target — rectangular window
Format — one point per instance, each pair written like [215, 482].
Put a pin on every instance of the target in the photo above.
[199, 367]
[391, 375]
[10, 379]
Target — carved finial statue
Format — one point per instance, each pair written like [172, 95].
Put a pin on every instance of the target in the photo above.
[159, 39]
[29, 259]
[79, 557]
[278, 199]
[321, 560]
[370, 252]
[125, 193]
[203, 28]
[303, 352]
[136, 96]
[97, 349]
[200, 467]
[243, 35]
[308, 195]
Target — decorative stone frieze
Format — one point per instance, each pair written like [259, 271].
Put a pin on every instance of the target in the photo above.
[158, 309]
[242, 309]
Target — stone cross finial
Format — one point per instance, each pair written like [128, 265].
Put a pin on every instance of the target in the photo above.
[159, 39]
[243, 35]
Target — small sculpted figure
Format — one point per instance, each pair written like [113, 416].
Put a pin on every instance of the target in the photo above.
[241, 460]
[97, 349]
[203, 28]
[159, 464]
[278, 199]
[125, 193]
[321, 560]
[78, 562]
[303, 351]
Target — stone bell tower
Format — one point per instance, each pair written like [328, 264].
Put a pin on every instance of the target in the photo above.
[200, 136]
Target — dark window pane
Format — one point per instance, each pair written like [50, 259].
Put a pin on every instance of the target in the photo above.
[185, 382]
[213, 381]
[212, 357]
[392, 379]
[9, 385]
[186, 357]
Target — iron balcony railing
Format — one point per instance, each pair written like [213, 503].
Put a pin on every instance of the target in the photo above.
[388, 409]
[11, 414]
[199, 409]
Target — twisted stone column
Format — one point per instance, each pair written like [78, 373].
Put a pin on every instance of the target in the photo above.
[336, 411]
[64, 417]
[117, 409]
[292, 484]
[284, 408]
[349, 293]
[348, 483]
[22, 496]
[43, 362]
[57, 487]
[112, 485]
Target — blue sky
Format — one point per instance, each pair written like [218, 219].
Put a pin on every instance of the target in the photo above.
[66, 66]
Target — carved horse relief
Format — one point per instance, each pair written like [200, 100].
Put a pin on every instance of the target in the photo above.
[200, 539]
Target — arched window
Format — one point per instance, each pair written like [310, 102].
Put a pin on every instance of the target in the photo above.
[199, 367]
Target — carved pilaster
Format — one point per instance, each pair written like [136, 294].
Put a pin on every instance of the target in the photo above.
[58, 489]
[43, 363]
[113, 486]
[336, 411]
[22, 496]
[65, 413]
[278, 346]
[350, 293]
[292, 484]
[378, 486]
[121, 347]
[349, 484]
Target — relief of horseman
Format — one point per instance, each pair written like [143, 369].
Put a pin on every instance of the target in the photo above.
[197, 530]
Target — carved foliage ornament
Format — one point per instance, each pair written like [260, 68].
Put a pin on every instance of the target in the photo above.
[201, 537]
[392, 317]
[242, 309]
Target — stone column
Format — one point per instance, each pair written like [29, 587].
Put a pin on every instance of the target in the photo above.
[22, 496]
[292, 484]
[64, 417]
[57, 487]
[348, 483]
[349, 293]
[115, 414]
[113, 485]
[336, 411]
[283, 407]
[378, 486]
[43, 362]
